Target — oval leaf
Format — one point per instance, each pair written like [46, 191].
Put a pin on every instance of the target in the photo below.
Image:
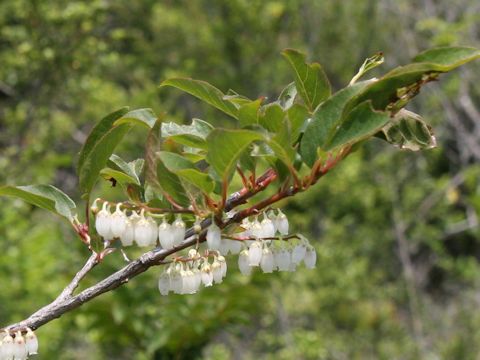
[225, 147]
[44, 196]
[203, 91]
[310, 80]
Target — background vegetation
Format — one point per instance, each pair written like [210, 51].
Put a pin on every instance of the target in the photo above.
[396, 232]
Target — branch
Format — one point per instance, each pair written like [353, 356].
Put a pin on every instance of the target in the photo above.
[66, 301]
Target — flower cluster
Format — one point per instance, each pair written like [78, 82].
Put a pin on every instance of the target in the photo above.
[138, 228]
[186, 277]
[18, 347]
[270, 256]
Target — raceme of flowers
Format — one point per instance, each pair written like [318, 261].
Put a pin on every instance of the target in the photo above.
[256, 245]
[17, 346]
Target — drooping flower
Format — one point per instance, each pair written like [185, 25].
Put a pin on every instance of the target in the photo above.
[310, 258]
[214, 237]
[243, 263]
[103, 222]
[282, 223]
[31, 342]
[255, 254]
[118, 222]
[165, 235]
[178, 230]
[267, 262]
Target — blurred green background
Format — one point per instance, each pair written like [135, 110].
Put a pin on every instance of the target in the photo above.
[396, 232]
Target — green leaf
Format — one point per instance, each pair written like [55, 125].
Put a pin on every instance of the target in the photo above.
[298, 116]
[272, 117]
[396, 88]
[226, 146]
[408, 130]
[324, 120]
[97, 158]
[44, 196]
[98, 131]
[287, 96]
[154, 140]
[115, 162]
[193, 135]
[310, 80]
[143, 117]
[359, 124]
[369, 64]
[185, 169]
[171, 185]
[120, 176]
[449, 57]
[248, 113]
[203, 91]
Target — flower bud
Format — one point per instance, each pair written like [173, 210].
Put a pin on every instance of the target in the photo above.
[103, 222]
[214, 237]
[255, 254]
[243, 265]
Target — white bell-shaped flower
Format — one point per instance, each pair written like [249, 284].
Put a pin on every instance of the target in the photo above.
[310, 258]
[8, 347]
[19, 348]
[255, 254]
[164, 284]
[189, 282]
[118, 222]
[207, 275]
[143, 231]
[217, 271]
[176, 282]
[197, 279]
[298, 253]
[103, 222]
[165, 235]
[246, 225]
[282, 259]
[256, 229]
[268, 229]
[267, 263]
[234, 246]
[31, 342]
[223, 264]
[282, 223]
[243, 263]
[293, 266]
[223, 248]
[128, 234]
[214, 237]
[178, 230]
[153, 227]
